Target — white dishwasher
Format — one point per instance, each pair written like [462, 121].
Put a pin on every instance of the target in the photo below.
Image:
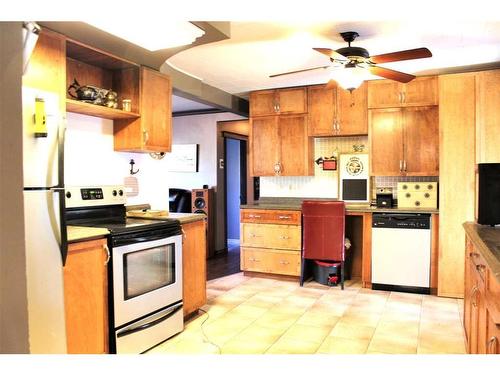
[401, 252]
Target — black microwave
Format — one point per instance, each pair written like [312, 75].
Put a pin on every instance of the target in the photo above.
[489, 194]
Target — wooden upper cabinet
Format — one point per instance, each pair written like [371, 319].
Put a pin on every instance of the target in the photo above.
[152, 131]
[295, 156]
[352, 111]
[386, 142]
[488, 117]
[264, 145]
[86, 297]
[421, 141]
[276, 102]
[321, 111]
[422, 91]
[47, 69]
[337, 112]
[263, 103]
[292, 101]
[280, 146]
[404, 141]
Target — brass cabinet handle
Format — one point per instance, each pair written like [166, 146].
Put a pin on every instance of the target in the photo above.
[252, 216]
[253, 260]
[284, 262]
[492, 342]
[284, 237]
[277, 168]
[108, 254]
[404, 165]
[471, 254]
[400, 96]
[401, 165]
[183, 235]
[404, 97]
[146, 136]
[253, 235]
[338, 126]
[284, 217]
[472, 296]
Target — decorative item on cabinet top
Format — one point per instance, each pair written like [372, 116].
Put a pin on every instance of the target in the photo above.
[92, 94]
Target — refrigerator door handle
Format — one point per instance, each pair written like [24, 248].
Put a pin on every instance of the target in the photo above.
[62, 223]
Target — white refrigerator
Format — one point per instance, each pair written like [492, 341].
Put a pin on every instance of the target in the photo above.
[45, 232]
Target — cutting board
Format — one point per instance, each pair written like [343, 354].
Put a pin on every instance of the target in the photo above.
[148, 214]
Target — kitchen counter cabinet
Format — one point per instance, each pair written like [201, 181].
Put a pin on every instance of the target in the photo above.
[337, 112]
[482, 289]
[86, 297]
[279, 146]
[422, 91]
[278, 102]
[404, 141]
[194, 272]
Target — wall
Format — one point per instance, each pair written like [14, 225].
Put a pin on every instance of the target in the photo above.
[200, 129]
[324, 184]
[91, 160]
[13, 300]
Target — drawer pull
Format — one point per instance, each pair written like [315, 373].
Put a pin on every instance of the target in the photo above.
[284, 237]
[252, 216]
[284, 262]
[253, 260]
[253, 235]
[284, 217]
[492, 343]
[108, 255]
[472, 255]
[480, 268]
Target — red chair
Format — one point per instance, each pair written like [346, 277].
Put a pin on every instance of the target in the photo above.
[323, 238]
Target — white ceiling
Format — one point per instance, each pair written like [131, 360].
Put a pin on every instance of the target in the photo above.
[258, 49]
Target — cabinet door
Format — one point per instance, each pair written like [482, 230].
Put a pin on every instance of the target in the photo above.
[264, 145]
[292, 101]
[263, 103]
[156, 111]
[488, 117]
[321, 111]
[384, 94]
[421, 91]
[421, 141]
[386, 142]
[467, 294]
[194, 273]
[352, 111]
[492, 343]
[85, 298]
[295, 146]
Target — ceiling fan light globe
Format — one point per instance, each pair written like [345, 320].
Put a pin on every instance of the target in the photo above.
[349, 77]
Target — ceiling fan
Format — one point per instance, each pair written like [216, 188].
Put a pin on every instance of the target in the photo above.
[355, 59]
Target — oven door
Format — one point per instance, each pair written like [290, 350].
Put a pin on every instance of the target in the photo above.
[147, 276]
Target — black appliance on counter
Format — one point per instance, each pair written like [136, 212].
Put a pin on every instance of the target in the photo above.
[489, 194]
[144, 269]
[384, 200]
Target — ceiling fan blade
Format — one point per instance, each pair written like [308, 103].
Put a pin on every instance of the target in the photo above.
[409, 54]
[391, 74]
[331, 54]
[331, 84]
[298, 71]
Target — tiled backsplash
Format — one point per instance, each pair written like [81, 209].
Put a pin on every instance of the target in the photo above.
[324, 184]
[392, 182]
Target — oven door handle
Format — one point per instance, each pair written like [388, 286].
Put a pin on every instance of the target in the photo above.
[147, 325]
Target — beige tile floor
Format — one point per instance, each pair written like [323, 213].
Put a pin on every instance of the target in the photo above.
[251, 315]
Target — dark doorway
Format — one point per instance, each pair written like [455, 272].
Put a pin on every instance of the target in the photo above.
[235, 173]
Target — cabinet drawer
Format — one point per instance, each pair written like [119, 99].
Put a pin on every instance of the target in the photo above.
[271, 236]
[270, 216]
[270, 261]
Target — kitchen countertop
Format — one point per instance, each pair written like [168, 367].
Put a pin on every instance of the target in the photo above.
[486, 239]
[294, 204]
[76, 234]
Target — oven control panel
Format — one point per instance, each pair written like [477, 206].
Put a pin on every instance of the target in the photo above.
[85, 196]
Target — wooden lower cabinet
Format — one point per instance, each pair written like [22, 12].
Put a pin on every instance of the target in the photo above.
[283, 262]
[271, 248]
[481, 313]
[194, 271]
[86, 297]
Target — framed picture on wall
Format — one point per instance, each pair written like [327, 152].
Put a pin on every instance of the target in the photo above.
[183, 158]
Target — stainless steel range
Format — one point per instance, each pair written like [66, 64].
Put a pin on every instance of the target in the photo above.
[145, 272]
